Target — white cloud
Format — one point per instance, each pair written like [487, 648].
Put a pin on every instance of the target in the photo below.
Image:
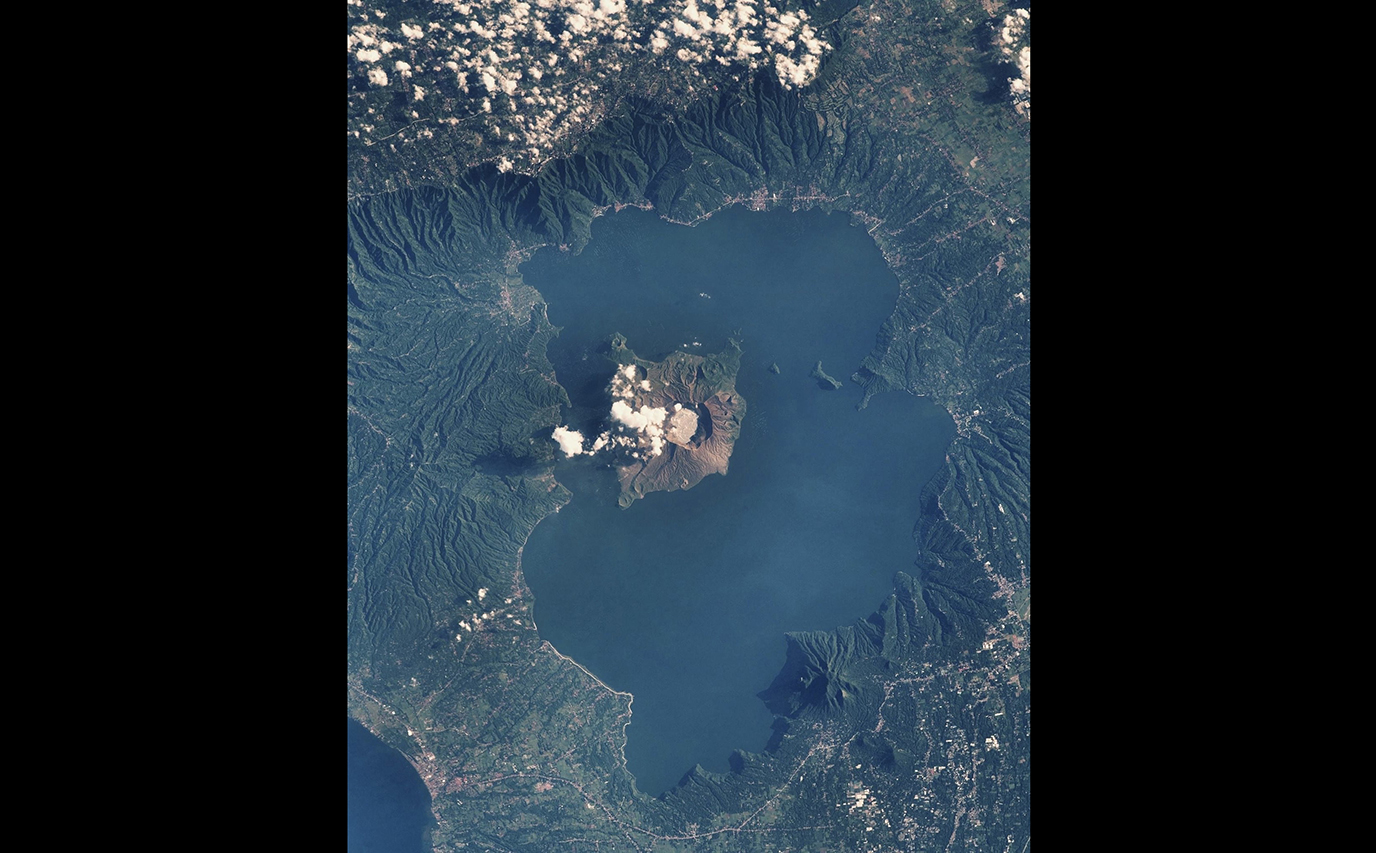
[1015, 43]
[797, 73]
[504, 45]
[646, 422]
[623, 383]
[643, 419]
[377, 76]
[365, 34]
[570, 441]
[745, 48]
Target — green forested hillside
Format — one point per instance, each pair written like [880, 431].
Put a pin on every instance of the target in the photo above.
[907, 730]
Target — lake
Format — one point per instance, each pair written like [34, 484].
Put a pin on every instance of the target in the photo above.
[683, 599]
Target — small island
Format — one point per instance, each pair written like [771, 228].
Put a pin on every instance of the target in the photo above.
[695, 396]
[824, 381]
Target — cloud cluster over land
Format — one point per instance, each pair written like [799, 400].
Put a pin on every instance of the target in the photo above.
[647, 421]
[642, 431]
[533, 65]
[1015, 40]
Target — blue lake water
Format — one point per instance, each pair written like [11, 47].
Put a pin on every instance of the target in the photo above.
[683, 599]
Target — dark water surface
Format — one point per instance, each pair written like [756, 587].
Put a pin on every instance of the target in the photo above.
[683, 599]
[389, 806]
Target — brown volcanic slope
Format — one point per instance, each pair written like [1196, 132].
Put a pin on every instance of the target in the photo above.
[705, 385]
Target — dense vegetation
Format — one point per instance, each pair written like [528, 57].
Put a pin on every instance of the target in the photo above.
[909, 729]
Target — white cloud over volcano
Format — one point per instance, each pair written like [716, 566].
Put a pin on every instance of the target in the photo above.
[647, 420]
[641, 430]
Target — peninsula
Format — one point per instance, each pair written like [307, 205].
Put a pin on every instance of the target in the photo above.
[824, 381]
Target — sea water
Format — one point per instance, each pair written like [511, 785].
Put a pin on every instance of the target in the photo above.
[389, 806]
